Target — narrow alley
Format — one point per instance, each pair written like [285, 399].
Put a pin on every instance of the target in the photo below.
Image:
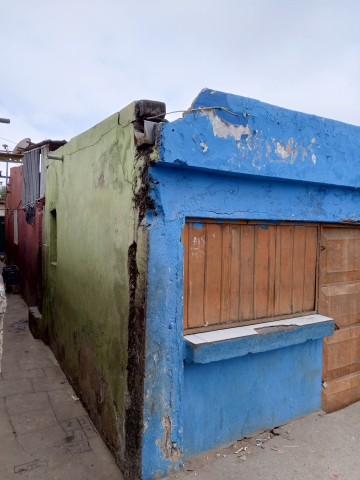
[44, 430]
[46, 433]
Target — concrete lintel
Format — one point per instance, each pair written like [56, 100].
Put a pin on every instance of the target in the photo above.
[275, 335]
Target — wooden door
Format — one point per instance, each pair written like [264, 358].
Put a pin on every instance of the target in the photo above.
[339, 298]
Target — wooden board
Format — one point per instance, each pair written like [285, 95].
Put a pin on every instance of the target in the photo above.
[339, 298]
[342, 353]
[341, 392]
[239, 272]
[341, 301]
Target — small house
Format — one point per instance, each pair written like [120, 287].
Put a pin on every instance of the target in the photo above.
[195, 271]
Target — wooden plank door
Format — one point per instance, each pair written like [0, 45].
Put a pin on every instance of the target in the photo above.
[339, 298]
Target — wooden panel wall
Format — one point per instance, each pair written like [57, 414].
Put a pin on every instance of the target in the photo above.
[242, 272]
[238, 273]
[339, 298]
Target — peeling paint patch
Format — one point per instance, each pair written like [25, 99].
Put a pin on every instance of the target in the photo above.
[224, 130]
[281, 151]
[204, 147]
[268, 148]
[289, 151]
[169, 448]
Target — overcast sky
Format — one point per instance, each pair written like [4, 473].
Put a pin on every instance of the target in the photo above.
[68, 65]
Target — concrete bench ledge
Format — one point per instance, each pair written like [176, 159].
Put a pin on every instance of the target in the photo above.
[236, 342]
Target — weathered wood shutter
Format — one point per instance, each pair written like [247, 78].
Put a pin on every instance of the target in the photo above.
[239, 273]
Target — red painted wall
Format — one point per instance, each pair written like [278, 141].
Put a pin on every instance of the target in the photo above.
[27, 255]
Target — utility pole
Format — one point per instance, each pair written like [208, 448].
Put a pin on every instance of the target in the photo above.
[6, 120]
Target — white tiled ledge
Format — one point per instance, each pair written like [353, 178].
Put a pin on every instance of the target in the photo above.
[249, 330]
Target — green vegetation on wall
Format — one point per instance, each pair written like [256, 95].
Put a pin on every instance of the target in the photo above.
[94, 248]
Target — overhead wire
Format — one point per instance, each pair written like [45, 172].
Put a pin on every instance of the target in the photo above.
[7, 140]
[195, 110]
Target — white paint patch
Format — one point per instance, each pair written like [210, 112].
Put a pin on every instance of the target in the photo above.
[224, 130]
[286, 153]
[204, 147]
[197, 247]
[268, 148]
[280, 151]
[2, 313]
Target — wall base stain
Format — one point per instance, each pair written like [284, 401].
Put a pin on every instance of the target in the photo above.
[169, 448]
[135, 373]
[89, 372]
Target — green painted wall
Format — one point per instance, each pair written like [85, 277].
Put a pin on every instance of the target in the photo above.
[91, 225]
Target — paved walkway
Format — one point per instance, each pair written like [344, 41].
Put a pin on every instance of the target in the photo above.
[316, 447]
[45, 432]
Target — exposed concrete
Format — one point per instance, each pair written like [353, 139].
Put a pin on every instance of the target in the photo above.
[44, 430]
[317, 447]
[35, 319]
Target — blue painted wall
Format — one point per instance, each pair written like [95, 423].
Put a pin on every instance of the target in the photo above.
[246, 136]
[234, 398]
[258, 162]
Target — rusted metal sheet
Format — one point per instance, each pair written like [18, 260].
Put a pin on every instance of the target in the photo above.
[31, 178]
[243, 272]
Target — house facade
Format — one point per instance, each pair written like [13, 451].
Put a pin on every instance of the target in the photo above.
[195, 270]
[24, 205]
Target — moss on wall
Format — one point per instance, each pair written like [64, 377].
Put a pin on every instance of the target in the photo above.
[95, 277]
